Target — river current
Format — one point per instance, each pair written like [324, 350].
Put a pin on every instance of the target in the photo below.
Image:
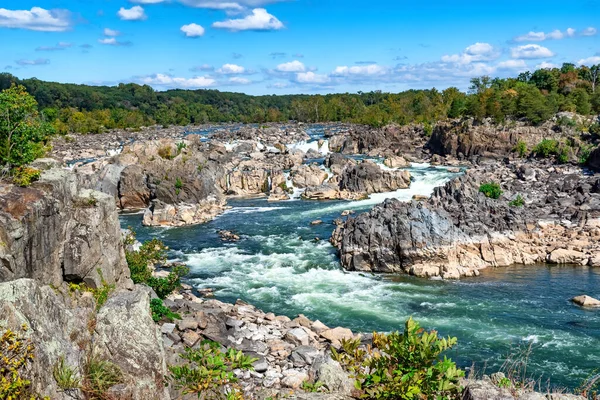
[285, 265]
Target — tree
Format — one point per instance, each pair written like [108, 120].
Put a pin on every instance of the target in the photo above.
[22, 130]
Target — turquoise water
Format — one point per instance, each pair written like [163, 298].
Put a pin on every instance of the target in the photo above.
[279, 266]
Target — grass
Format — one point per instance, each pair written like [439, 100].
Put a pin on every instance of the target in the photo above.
[99, 376]
[66, 378]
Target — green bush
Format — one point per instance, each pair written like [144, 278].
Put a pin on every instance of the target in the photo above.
[160, 312]
[16, 352]
[402, 365]
[25, 176]
[165, 286]
[519, 201]
[584, 153]
[491, 190]
[563, 155]
[208, 372]
[546, 148]
[521, 148]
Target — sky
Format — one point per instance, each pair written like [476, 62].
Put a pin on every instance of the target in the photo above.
[293, 46]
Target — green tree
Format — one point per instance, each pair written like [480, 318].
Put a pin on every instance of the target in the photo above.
[22, 130]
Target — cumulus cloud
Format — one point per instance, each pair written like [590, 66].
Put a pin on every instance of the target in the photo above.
[512, 65]
[39, 61]
[474, 53]
[58, 47]
[231, 69]
[589, 61]
[541, 36]
[111, 32]
[239, 80]
[589, 31]
[168, 81]
[231, 6]
[365, 70]
[203, 68]
[278, 85]
[192, 30]
[36, 19]
[531, 51]
[546, 65]
[258, 20]
[311, 77]
[113, 42]
[292, 66]
[135, 13]
[147, 1]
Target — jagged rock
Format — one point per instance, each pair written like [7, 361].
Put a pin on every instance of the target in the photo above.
[396, 162]
[586, 301]
[134, 191]
[160, 214]
[54, 231]
[331, 374]
[336, 335]
[308, 176]
[367, 177]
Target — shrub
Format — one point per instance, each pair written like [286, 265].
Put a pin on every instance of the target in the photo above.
[25, 176]
[584, 153]
[310, 387]
[546, 148]
[519, 201]
[208, 372]
[165, 286]
[151, 252]
[99, 376]
[15, 353]
[563, 155]
[566, 121]
[180, 147]
[521, 148]
[491, 190]
[402, 365]
[165, 152]
[65, 376]
[160, 312]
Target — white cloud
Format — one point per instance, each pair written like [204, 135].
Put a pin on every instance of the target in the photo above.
[39, 61]
[292, 66]
[311, 77]
[36, 19]
[135, 13]
[474, 53]
[231, 69]
[367, 70]
[239, 81]
[203, 67]
[59, 46]
[147, 1]
[531, 51]
[589, 31]
[111, 41]
[279, 85]
[541, 36]
[111, 32]
[192, 30]
[214, 4]
[546, 65]
[167, 81]
[589, 61]
[259, 20]
[512, 64]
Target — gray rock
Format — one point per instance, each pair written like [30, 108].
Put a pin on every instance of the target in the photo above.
[297, 336]
[331, 374]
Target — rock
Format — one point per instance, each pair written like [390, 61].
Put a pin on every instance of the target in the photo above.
[126, 334]
[316, 222]
[294, 378]
[190, 338]
[367, 177]
[187, 323]
[335, 335]
[308, 176]
[297, 336]
[564, 256]
[167, 328]
[160, 214]
[228, 236]
[307, 354]
[345, 213]
[331, 374]
[485, 390]
[396, 162]
[55, 231]
[319, 327]
[586, 301]
[133, 188]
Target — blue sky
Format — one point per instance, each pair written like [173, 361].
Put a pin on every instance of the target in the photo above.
[297, 46]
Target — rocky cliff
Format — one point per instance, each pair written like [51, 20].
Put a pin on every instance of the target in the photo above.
[55, 231]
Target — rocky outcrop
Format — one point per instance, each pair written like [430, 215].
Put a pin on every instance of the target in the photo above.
[54, 231]
[586, 301]
[367, 177]
[61, 326]
[305, 176]
[459, 230]
[161, 214]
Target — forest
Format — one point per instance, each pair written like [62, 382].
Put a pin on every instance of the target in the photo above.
[534, 96]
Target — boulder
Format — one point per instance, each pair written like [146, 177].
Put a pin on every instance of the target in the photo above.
[396, 162]
[586, 301]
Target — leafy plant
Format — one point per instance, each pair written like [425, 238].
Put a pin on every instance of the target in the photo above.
[16, 352]
[563, 155]
[546, 148]
[310, 387]
[101, 294]
[99, 376]
[25, 176]
[178, 183]
[519, 201]
[491, 190]
[151, 252]
[584, 153]
[504, 382]
[402, 365]
[521, 148]
[208, 372]
[160, 312]
[180, 147]
[66, 378]
[165, 286]
[165, 152]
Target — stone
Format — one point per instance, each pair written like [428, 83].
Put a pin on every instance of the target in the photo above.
[307, 353]
[331, 374]
[485, 390]
[316, 222]
[396, 162]
[335, 335]
[294, 378]
[586, 301]
[167, 328]
[319, 327]
[187, 323]
[565, 256]
[190, 338]
[297, 336]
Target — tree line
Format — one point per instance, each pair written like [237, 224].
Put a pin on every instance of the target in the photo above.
[534, 96]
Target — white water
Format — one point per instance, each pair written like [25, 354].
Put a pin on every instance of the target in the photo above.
[305, 146]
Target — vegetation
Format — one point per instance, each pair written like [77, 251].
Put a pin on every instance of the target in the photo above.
[150, 253]
[491, 190]
[536, 96]
[208, 372]
[99, 376]
[519, 201]
[521, 148]
[25, 176]
[66, 378]
[160, 312]
[312, 387]
[547, 148]
[16, 352]
[402, 365]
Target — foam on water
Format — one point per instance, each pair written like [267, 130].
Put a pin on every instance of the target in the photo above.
[306, 145]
